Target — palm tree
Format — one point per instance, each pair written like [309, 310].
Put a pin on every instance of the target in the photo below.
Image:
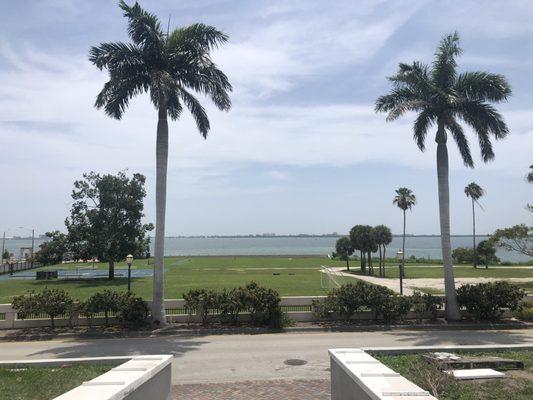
[344, 250]
[529, 176]
[475, 192]
[169, 66]
[383, 237]
[405, 200]
[441, 97]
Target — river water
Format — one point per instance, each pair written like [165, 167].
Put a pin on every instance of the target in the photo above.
[419, 246]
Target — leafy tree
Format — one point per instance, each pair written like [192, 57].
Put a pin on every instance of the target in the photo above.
[356, 237]
[475, 192]
[517, 238]
[168, 65]
[6, 255]
[405, 200]
[344, 250]
[442, 97]
[105, 218]
[383, 237]
[463, 255]
[52, 251]
[486, 253]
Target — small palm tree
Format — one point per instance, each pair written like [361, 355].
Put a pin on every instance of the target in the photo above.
[475, 192]
[168, 66]
[441, 97]
[405, 200]
[344, 250]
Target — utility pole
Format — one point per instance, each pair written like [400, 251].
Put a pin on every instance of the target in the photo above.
[32, 245]
[3, 247]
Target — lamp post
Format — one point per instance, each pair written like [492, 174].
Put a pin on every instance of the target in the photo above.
[399, 257]
[129, 261]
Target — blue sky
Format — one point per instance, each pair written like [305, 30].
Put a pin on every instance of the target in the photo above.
[301, 150]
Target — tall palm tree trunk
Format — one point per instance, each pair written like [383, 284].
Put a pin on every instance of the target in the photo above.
[158, 307]
[474, 234]
[403, 247]
[452, 308]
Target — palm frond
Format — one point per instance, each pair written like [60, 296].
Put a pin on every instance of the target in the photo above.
[196, 38]
[444, 64]
[422, 123]
[483, 86]
[460, 139]
[144, 28]
[482, 117]
[197, 111]
[116, 94]
[115, 55]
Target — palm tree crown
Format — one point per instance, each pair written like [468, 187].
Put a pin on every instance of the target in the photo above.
[474, 191]
[165, 65]
[529, 177]
[441, 96]
[404, 199]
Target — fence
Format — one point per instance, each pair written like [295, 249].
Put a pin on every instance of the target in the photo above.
[18, 266]
[298, 308]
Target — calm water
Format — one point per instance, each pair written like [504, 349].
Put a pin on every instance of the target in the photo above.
[427, 247]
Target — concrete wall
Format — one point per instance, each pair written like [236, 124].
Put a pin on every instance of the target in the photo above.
[133, 377]
[355, 375]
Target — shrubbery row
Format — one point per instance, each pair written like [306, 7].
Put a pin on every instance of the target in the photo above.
[130, 311]
[384, 304]
[262, 303]
[484, 301]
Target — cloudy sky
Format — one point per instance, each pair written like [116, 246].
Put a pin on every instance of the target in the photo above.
[301, 150]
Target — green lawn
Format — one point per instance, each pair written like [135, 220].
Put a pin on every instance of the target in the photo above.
[460, 272]
[43, 383]
[294, 276]
[518, 385]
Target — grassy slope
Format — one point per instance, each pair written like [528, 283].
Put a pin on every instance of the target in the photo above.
[517, 387]
[299, 275]
[45, 383]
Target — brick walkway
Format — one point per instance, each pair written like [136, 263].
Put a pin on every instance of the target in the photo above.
[257, 390]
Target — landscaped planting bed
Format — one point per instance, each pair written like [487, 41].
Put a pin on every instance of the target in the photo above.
[517, 385]
[44, 383]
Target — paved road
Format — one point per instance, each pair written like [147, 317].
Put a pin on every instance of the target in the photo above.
[233, 358]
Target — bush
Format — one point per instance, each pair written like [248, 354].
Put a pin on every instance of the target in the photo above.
[351, 298]
[425, 304]
[201, 301]
[525, 313]
[52, 302]
[486, 301]
[463, 255]
[345, 301]
[388, 305]
[132, 311]
[263, 304]
[106, 302]
[231, 303]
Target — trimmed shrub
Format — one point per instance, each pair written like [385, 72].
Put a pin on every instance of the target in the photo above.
[201, 301]
[525, 313]
[132, 312]
[345, 301]
[52, 302]
[231, 303]
[106, 302]
[486, 301]
[424, 304]
[263, 304]
[388, 306]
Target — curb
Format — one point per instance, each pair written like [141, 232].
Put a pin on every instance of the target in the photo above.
[257, 331]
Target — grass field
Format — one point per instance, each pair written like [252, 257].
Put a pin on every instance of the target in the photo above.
[518, 385]
[296, 276]
[44, 383]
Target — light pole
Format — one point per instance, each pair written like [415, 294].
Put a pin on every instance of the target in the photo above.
[399, 257]
[129, 261]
